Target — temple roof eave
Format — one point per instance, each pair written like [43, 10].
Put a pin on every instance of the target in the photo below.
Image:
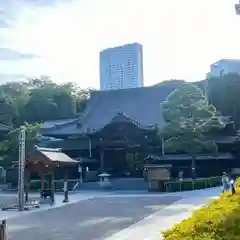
[78, 129]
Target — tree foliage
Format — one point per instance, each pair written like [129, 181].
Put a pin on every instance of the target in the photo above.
[39, 100]
[32, 102]
[9, 148]
[189, 117]
[223, 92]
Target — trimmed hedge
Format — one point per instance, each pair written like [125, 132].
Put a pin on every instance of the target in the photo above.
[220, 220]
[188, 185]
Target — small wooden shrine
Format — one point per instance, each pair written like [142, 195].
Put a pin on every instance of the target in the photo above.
[45, 161]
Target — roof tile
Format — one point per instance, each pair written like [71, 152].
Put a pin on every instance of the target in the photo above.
[140, 104]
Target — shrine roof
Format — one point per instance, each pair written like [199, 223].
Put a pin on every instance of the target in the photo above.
[51, 156]
[5, 128]
[140, 105]
[220, 156]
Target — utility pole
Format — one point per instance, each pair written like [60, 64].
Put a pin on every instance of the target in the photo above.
[21, 168]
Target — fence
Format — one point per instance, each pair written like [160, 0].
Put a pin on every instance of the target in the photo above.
[59, 184]
[3, 230]
[192, 184]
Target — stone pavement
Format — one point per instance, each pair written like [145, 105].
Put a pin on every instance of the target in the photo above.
[93, 219]
[109, 216]
[7, 199]
[151, 227]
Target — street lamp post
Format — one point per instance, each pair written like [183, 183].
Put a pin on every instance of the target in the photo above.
[21, 167]
[90, 147]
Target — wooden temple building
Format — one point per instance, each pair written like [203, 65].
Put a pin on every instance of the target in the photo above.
[119, 129]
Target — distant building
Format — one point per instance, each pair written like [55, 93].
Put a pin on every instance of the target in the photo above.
[121, 67]
[224, 66]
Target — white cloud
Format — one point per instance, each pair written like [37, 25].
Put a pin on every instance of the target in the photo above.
[180, 38]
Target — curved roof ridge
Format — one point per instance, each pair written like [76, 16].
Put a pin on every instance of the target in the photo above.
[89, 107]
[120, 116]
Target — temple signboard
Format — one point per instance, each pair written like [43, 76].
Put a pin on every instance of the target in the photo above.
[158, 172]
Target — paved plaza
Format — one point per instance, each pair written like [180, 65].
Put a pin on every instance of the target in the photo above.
[109, 216]
[6, 200]
[96, 218]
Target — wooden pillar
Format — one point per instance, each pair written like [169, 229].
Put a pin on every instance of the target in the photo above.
[42, 180]
[3, 230]
[42, 184]
[52, 188]
[27, 182]
[65, 187]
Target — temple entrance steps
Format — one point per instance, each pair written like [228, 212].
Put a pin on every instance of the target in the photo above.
[118, 184]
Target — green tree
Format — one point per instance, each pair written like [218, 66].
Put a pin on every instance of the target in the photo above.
[189, 117]
[66, 103]
[40, 99]
[18, 95]
[6, 110]
[40, 106]
[223, 93]
[9, 148]
[49, 101]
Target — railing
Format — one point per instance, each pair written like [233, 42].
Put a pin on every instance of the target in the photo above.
[192, 184]
[59, 184]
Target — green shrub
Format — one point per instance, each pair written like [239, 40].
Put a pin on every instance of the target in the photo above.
[220, 220]
[237, 182]
[190, 184]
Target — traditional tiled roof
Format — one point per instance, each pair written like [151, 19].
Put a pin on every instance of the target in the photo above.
[220, 156]
[141, 105]
[54, 123]
[5, 128]
[52, 156]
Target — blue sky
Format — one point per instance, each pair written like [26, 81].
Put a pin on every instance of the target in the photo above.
[62, 38]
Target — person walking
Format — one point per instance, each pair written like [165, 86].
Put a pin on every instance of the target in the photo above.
[225, 182]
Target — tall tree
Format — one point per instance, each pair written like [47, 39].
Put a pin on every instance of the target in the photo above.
[40, 99]
[9, 148]
[188, 118]
[18, 95]
[40, 106]
[6, 110]
[223, 92]
[66, 103]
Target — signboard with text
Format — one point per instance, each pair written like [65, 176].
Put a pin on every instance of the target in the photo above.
[158, 174]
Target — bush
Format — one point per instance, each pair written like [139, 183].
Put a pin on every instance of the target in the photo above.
[220, 220]
[186, 185]
[237, 182]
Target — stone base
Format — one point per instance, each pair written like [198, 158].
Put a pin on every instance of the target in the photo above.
[106, 185]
